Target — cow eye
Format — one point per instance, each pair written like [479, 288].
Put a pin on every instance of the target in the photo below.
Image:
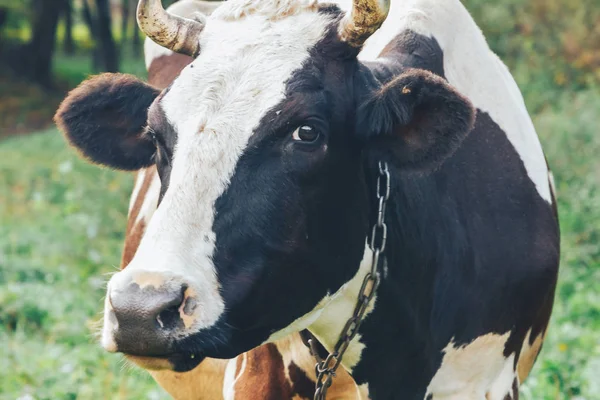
[152, 135]
[306, 134]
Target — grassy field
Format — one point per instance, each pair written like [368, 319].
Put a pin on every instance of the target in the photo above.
[62, 222]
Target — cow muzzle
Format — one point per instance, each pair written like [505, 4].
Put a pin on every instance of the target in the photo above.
[146, 313]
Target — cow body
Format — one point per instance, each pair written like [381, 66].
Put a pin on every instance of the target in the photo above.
[267, 146]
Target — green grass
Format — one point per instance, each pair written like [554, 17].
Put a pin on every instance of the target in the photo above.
[570, 362]
[62, 230]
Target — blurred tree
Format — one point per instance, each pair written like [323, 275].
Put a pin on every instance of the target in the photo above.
[37, 54]
[108, 48]
[68, 44]
[105, 54]
[3, 14]
[91, 24]
[125, 19]
[130, 34]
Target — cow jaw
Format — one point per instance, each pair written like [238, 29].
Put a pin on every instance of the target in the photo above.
[329, 317]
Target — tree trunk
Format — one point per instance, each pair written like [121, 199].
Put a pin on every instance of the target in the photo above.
[68, 42]
[86, 13]
[3, 15]
[108, 48]
[125, 8]
[41, 47]
[136, 42]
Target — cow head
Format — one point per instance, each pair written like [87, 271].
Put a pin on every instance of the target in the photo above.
[265, 145]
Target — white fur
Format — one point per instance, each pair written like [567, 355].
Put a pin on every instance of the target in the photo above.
[107, 339]
[472, 68]
[152, 51]
[470, 372]
[215, 105]
[503, 385]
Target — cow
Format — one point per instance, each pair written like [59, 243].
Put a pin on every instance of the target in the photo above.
[269, 147]
[283, 370]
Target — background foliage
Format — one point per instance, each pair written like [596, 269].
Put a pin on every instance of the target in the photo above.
[62, 220]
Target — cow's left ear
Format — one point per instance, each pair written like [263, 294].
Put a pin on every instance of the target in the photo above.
[415, 121]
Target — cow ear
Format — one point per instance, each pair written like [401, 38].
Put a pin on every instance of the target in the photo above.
[415, 121]
[104, 118]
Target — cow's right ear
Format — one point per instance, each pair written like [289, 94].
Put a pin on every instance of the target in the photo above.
[104, 118]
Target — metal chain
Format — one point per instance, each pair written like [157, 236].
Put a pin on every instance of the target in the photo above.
[325, 369]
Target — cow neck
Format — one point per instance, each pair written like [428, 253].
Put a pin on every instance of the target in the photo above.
[391, 345]
[343, 304]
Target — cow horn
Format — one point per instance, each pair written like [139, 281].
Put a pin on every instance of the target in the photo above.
[364, 19]
[171, 31]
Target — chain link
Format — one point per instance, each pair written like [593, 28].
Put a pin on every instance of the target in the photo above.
[325, 369]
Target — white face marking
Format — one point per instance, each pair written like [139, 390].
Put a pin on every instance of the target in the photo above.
[214, 106]
[471, 371]
[107, 340]
[329, 316]
[472, 68]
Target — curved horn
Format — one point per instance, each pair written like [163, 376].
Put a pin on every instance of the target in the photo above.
[364, 19]
[171, 31]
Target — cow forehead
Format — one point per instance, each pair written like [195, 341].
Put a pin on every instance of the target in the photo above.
[242, 71]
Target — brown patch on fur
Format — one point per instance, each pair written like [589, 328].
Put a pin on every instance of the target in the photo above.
[164, 69]
[238, 365]
[135, 229]
[264, 374]
[528, 355]
[132, 241]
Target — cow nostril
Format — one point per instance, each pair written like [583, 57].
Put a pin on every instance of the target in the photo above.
[168, 318]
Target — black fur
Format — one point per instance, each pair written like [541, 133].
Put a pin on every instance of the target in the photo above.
[415, 121]
[104, 118]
